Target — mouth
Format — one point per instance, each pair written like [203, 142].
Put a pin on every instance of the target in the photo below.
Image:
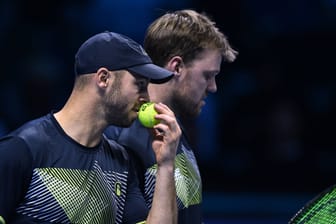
[137, 108]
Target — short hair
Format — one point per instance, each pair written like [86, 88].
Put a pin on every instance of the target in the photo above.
[185, 33]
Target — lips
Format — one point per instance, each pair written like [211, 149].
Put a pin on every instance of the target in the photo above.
[137, 108]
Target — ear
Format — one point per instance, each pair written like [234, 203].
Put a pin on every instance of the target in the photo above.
[103, 77]
[175, 64]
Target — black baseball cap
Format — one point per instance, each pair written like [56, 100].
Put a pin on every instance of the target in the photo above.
[115, 51]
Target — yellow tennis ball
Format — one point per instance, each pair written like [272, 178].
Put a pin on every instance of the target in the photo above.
[146, 115]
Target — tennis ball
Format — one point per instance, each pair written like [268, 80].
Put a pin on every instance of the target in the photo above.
[146, 115]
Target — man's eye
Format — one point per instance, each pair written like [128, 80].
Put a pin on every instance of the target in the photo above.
[142, 84]
[210, 76]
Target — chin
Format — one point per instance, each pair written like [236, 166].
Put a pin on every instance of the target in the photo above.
[197, 114]
[194, 114]
[199, 108]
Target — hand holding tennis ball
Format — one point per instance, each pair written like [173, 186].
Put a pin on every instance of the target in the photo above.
[147, 114]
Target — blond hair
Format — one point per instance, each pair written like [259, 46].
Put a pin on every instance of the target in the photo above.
[185, 33]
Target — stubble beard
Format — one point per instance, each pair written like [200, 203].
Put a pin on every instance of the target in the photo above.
[185, 107]
[117, 109]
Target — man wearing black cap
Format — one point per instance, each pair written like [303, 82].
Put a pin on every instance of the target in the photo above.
[60, 168]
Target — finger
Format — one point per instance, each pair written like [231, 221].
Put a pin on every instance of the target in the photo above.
[163, 108]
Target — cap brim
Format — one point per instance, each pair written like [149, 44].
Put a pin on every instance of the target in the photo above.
[155, 73]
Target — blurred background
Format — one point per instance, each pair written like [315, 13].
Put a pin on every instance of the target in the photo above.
[265, 141]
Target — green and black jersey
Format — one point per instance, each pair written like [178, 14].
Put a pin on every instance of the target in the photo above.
[187, 176]
[47, 177]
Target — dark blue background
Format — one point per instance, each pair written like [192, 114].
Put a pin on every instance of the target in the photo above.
[265, 141]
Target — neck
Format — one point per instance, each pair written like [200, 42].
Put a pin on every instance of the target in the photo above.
[79, 120]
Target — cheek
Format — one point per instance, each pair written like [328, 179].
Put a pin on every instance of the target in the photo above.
[192, 96]
[198, 88]
[128, 94]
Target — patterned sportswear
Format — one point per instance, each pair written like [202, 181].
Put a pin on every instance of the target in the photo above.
[187, 177]
[47, 177]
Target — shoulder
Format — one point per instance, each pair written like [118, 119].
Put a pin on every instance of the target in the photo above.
[132, 137]
[12, 143]
[35, 128]
[116, 149]
[30, 135]
[15, 155]
[113, 132]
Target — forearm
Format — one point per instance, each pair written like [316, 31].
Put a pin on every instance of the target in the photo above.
[164, 207]
[166, 136]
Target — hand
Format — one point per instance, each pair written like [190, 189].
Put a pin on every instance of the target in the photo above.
[166, 135]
